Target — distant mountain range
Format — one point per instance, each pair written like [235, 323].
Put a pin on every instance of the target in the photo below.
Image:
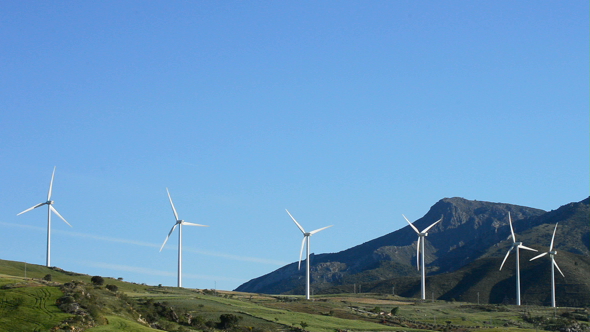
[463, 255]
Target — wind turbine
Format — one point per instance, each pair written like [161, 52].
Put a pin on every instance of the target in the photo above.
[179, 223]
[420, 249]
[515, 247]
[552, 254]
[305, 243]
[50, 208]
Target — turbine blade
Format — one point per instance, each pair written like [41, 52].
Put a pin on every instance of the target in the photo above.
[527, 248]
[172, 204]
[59, 215]
[538, 256]
[558, 269]
[429, 227]
[51, 184]
[167, 237]
[301, 252]
[192, 224]
[418, 253]
[511, 229]
[414, 227]
[505, 258]
[321, 229]
[296, 223]
[31, 208]
[553, 237]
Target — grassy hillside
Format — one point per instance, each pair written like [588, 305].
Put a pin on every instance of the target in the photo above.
[71, 302]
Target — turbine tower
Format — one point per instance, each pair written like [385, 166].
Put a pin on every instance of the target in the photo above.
[179, 223]
[50, 208]
[515, 246]
[420, 249]
[305, 243]
[554, 265]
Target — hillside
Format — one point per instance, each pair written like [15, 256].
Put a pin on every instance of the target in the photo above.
[72, 302]
[470, 231]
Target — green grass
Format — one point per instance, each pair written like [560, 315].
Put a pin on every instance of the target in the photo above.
[30, 308]
[116, 323]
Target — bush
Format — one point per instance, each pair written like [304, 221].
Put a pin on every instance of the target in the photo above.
[97, 280]
[47, 277]
[112, 288]
[228, 321]
[394, 311]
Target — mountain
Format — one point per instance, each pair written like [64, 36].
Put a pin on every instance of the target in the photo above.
[473, 225]
[471, 240]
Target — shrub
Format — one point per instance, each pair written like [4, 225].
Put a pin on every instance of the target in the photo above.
[228, 321]
[394, 311]
[47, 277]
[112, 288]
[97, 280]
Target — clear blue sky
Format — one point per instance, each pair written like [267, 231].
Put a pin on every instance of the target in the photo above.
[344, 112]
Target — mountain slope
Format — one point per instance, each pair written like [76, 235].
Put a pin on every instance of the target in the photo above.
[470, 230]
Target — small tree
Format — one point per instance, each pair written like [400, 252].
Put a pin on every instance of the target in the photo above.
[47, 277]
[97, 280]
[394, 311]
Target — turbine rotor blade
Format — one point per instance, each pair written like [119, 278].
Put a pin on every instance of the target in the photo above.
[296, 223]
[429, 227]
[505, 258]
[558, 269]
[301, 252]
[51, 184]
[538, 256]
[553, 237]
[321, 229]
[31, 208]
[511, 229]
[167, 237]
[59, 215]
[172, 204]
[527, 248]
[414, 227]
[192, 224]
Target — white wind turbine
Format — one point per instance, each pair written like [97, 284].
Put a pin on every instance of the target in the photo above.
[420, 249]
[305, 243]
[50, 208]
[552, 254]
[515, 246]
[179, 223]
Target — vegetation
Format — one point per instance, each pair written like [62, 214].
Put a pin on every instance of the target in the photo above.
[76, 302]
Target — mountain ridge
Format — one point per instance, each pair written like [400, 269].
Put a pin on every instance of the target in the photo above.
[470, 230]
